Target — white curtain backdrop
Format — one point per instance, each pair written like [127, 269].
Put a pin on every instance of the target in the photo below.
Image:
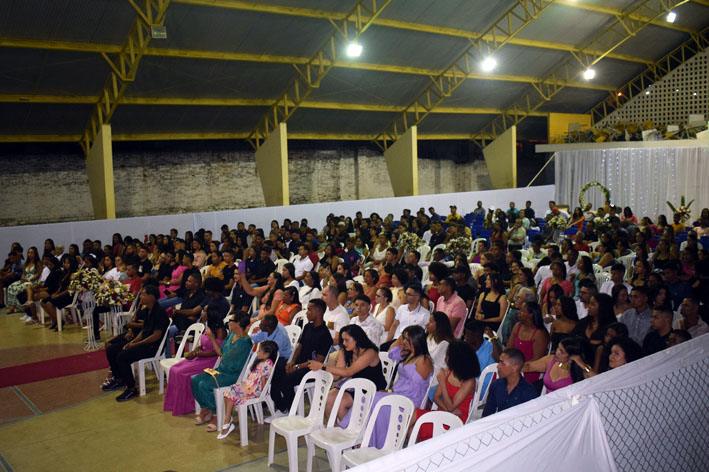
[642, 178]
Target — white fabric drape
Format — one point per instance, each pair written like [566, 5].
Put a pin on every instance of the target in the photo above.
[565, 430]
[642, 178]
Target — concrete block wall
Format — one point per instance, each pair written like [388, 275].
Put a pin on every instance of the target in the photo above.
[45, 188]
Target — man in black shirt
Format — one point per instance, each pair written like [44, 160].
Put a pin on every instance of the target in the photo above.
[467, 292]
[189, 312]
[263, 267]
[228, 271]
[144, 345]
[499, 258]
[145, 267]
[314, 344]
[661, 323]
[438, 236]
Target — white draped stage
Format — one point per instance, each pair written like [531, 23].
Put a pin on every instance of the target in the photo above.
[641, 175]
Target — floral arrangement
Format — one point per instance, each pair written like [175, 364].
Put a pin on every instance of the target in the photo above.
[582, 193]
[682, 210]
[409, 241]
[84, 280]
[461, 245]
[601, 224]
[113, 292]
[557, 222]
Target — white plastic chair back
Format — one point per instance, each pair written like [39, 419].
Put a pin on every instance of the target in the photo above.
[300, 317]
[424, 249]
[438, 356]
[594, 245]
[439, 420]
[401, 410]
[474, 267]
[253, 308]
[247, 366]
[293, 335]
[195, 330]
[204, 269]
[424, 275]
[627, 261]
[601, 278]
[597, 269]
[335, 439]
[253, 327]
[438, 246]
[321, 387]
[359, 279]
[480, 397]
[388, 366]
[279, 265]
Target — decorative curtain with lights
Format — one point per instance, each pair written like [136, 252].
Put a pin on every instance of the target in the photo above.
[642, 178]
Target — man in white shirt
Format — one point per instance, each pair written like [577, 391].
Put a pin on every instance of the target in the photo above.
[587, 289]
[690, 320]
[368, 323]
[617, 276]
[408, 314]
[544, 272]
[572, 257]
[335, 316]
[302, 263]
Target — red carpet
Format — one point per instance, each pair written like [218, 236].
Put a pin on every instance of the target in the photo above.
[60, 367]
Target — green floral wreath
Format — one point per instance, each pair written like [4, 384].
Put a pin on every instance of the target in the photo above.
[582, 193]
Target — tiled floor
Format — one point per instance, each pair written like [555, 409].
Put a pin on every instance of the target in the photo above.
[69, 424]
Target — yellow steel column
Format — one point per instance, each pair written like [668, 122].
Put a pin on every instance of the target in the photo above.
[272, 166]
[501, 158]
[99, 167]
[402, 164]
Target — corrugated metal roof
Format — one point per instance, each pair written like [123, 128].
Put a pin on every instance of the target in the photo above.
[52, 68]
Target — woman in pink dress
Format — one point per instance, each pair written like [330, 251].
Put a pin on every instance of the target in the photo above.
[178, 397]
[175, 277]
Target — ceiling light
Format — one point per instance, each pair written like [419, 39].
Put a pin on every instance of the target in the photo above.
[589, 74]
[647, 92]
[620, 94]
[671, 17]
[354, 49]
[489, 64]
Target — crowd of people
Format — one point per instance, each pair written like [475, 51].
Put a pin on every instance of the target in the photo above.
[539, 308]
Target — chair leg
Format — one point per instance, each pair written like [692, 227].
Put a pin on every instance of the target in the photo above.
[243, 425]
[141, 378]
[219, 401]
[161, 380]
[271, 444]
[292, 443]
[59, 320]
[310, 448]
[335, 457]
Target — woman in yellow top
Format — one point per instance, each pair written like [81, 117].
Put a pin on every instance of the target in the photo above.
[215, 269]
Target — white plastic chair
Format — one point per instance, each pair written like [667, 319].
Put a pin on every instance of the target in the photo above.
[301, 316]
[279, 264]
[424, 250]
[439, 420]
[359, 279]
[401, 410]
[294, 335]
[264, 397]
[253, 327]
[388, 366]
[438, 356]
[153, 361]
[480, 397]
[335, 439]
[601, 278]
[295, 425]
[195, 330]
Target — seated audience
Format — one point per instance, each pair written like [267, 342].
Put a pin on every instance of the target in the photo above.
[408, 314]
[123, 353]
[288, 306]
[314, 343]
[690, 320]
[565, 319]
[358, 358]
[252, 386]
[438, 329]
[178, 396]
[661, 324]
[451, 304]
[530, 335]
[510, 389]
[570, 363]
[234, 352]
[637, 318]
[372, 328]
[492, 304]
[594, 325]
[311, 288]
[459, 381]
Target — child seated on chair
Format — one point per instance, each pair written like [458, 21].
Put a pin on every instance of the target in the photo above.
[252, 386]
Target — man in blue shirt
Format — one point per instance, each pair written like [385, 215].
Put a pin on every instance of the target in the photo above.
[510, 389]
[272, 330]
